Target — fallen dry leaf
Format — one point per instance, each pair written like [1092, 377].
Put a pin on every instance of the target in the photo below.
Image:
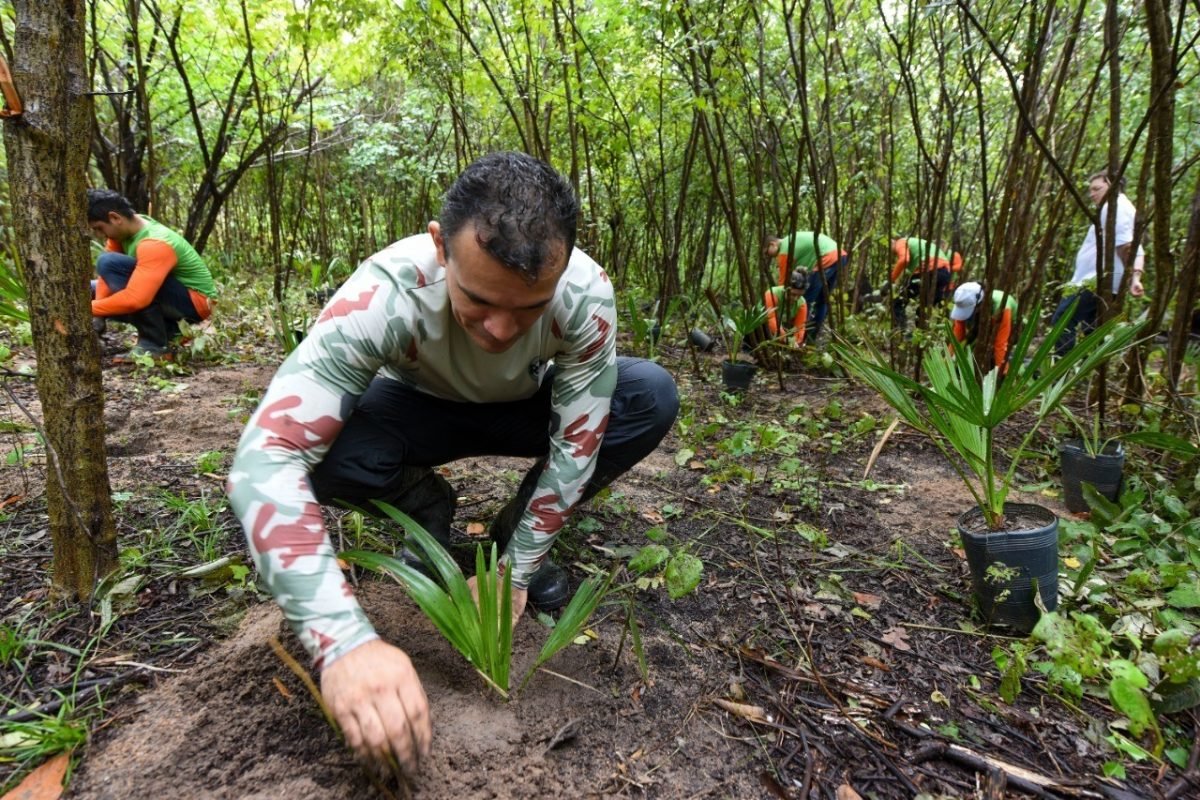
[44, 783]
[746, 712]
[283, 690]
[476, 529]
[695, 465]
[867, 600]
[871, 661]
[653, 517]
[846, 792]
[897, 637]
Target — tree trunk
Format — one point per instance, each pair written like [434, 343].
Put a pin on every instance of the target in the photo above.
[47, 158]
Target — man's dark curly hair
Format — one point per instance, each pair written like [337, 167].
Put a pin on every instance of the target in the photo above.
[101, 202]
[522, 209]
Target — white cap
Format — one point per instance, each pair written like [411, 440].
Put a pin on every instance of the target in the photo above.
[966, 297]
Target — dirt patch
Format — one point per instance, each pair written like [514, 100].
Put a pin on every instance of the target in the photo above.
[227, 729]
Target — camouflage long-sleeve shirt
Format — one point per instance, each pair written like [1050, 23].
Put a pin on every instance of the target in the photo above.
[393, 318]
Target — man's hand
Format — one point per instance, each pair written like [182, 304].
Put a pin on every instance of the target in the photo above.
[1135, 286]
[519, 598]
[376, 697]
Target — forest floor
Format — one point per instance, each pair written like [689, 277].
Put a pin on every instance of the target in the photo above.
[829, 647]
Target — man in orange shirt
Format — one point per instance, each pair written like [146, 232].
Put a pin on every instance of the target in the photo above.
[965, 315]
[148, 276]
[787, 308]
[927, 257]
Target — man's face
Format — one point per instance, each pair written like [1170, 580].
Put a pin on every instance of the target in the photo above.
[491, 302]
[110, 228]
[771, 249]
[1098, 190]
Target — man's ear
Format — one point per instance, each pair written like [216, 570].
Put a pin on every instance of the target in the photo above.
[439, 241]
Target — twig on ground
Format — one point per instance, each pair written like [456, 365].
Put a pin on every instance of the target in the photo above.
[1018, 777]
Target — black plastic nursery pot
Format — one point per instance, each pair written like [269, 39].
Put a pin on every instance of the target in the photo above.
[701, 340]
[1010, 568]
[1102, 471]
[737, 374]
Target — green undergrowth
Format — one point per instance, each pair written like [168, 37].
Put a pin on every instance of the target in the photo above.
[1125, 630]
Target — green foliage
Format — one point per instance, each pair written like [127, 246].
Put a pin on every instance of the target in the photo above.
[739, 323]
[12, 294]
[665, 564]
[481, 631]
[209, 462]
[960, 412]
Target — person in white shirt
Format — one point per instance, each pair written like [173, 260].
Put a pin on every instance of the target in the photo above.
[1086, 260]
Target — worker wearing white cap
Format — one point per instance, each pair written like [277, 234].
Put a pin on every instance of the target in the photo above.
[966, 318]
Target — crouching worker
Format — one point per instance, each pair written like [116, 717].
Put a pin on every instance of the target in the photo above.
[966, 319]
[148, 276]
[924, 257]
[787, 310]
[489, 334]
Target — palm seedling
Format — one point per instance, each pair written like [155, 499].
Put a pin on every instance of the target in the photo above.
[481, 631]
[960, 412]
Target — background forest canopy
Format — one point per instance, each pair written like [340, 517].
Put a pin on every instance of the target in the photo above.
[295, 137]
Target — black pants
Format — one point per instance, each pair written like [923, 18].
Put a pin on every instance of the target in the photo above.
[158, 323]
[941, 290]
[1083, 320]
[395, 434]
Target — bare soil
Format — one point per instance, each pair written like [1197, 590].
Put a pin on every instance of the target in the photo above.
[797, 668]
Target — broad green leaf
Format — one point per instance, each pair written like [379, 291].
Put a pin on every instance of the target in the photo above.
[683, 574]
[1133, 703]
[649, 558]
[1184, 596]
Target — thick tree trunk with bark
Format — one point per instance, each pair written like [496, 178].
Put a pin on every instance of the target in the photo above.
[47, 157]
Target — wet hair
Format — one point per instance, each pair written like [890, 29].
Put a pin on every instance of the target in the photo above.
[102, 202]
[798, 280]
[522, 209]
[1104, 174]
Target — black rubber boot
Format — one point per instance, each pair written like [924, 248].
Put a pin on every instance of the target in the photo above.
[549, 588]
[429, 499]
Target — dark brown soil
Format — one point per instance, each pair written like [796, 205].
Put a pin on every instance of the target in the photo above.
[797, 668]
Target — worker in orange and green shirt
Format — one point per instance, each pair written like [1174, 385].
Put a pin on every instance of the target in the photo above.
[815, 253]
[966, 319]
[148, 276]
[927, 257]
[787, 309]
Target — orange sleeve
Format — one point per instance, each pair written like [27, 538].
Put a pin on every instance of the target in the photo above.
[960, 331]
[1003, 331]
[783, 259]
[901, 248]
[155, 260]
[800, 322]
[112, 246]
[956, 262]
[772, 320]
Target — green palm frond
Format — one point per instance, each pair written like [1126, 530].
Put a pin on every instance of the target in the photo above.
[481, 632]
[960, 412]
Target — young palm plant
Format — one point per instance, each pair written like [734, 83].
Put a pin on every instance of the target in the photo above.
[481, 631]
[960, 413]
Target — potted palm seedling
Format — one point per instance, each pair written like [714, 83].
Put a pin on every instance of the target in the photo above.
[737, 325]
[1089, 458]
[1011, 548]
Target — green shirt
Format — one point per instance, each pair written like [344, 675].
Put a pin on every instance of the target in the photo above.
[920, 251]
[799, 247]
[190, 269]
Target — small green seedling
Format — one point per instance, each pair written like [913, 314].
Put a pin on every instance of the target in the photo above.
[481, 632]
